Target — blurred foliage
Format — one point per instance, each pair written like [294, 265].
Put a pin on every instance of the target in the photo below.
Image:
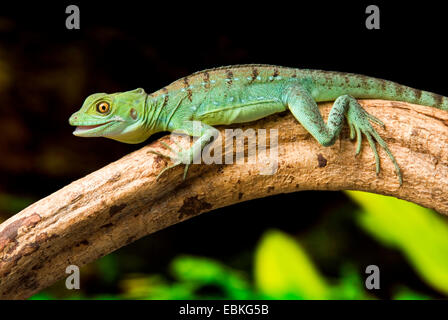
[406, 294]
[10, 204]
[421, 234]
[195, 278]
[283, 268]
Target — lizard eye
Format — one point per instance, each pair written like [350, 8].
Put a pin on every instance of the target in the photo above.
[102, 107]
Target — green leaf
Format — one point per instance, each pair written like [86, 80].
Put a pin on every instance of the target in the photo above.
[420, 233]
[204, 271]
[41, 296]
[406, 294]
[284, 271]
[350, 286]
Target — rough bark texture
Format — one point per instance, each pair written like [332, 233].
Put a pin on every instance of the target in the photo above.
[123, 202]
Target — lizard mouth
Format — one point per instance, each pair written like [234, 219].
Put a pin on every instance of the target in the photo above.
[89, 130]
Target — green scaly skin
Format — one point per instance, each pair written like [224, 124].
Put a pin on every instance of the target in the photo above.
[243, 93]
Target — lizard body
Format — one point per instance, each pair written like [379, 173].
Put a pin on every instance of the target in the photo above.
[243, 93]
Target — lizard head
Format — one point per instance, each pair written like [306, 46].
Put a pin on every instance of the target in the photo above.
[119, 116]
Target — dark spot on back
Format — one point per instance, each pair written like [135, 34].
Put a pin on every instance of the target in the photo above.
[206, 79]
[417, 93]
[187, 87]
[229, 75]
[276, 73]
[437, 99]
[399, 89]
[254, 74]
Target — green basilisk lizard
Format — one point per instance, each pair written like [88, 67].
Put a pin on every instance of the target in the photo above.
[243, 93]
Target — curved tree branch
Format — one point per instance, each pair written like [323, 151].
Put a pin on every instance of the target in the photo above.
[123, 202]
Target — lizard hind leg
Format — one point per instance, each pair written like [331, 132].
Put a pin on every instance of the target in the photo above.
[305, 110]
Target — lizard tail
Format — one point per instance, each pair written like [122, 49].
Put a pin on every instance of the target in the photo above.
[363, 87]
[395, 91]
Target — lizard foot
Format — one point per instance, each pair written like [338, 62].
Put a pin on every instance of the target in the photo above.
[178, 157]
[359, 122]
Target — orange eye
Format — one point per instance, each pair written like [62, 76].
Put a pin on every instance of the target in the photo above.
[102, 107]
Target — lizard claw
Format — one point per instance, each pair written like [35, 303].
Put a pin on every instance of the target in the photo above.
[359, 122]
[179, 157]
[167, 168]
[375, 120]
[159, 154]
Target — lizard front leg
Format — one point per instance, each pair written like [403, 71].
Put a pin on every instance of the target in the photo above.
[186, 156]
[305, 110]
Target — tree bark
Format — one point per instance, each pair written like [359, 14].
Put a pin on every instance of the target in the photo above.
[123, 202]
